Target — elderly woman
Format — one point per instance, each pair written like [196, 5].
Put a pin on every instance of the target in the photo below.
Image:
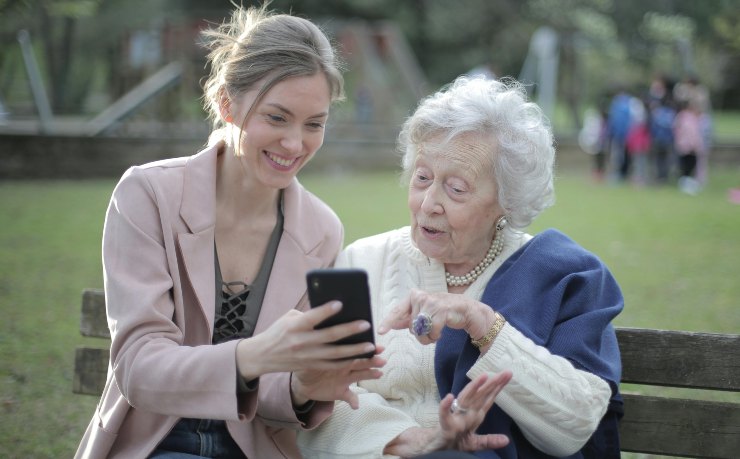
[463, 293]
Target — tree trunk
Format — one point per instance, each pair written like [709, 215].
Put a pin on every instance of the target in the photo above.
[573, 83]
[64, 94]
[58, 58]
[50, 57]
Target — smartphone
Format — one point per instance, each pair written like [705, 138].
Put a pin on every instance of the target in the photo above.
[350, 287]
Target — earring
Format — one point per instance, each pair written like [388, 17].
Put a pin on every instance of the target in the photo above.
[501, 222]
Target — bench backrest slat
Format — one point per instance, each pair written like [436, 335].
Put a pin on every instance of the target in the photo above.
[93, 321]
[680, 359]
[669, 426]
[91, 369]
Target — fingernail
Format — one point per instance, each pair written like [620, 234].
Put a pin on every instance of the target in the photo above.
[364, 325]
[368, 348]
[336, 306]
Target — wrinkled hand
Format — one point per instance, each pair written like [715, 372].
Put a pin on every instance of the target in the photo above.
[456, 431]
[476, 399]
[446, 309]
[291, 344]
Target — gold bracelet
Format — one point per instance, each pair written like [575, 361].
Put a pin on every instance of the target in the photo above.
[488, 338]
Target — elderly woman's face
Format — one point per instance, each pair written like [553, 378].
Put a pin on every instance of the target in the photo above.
[452, 198]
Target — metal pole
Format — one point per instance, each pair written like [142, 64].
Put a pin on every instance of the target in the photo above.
[37, 86]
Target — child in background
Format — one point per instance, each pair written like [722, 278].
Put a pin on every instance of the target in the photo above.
[638, 141]
[593, 138]
[662, 116]
[689, 144]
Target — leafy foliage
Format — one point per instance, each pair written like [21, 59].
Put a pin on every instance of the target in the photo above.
[603, 41]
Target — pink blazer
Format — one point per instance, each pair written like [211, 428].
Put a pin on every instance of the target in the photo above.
[159, 275]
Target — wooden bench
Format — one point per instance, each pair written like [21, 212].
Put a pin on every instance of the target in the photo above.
[687, 427]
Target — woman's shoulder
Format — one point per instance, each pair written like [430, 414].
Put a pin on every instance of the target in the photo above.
[205, 158]
[554, 264]
[163, 169]
[142, 180]
[560, 250]
[168, 178]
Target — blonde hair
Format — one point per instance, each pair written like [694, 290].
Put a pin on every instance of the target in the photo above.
[255, 45]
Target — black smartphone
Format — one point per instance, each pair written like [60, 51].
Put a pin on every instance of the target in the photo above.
[350, 287]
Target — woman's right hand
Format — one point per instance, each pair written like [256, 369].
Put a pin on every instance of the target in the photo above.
[291, 344]
[451, 310]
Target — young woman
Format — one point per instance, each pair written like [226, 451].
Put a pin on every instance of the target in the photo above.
[205, 260]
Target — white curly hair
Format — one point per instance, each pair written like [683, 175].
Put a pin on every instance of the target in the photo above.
[522, 153]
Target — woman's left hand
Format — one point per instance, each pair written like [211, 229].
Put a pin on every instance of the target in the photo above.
[456, 430]
[445, 309]
[458, 425]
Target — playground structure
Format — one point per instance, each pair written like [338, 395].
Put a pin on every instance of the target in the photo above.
[383, 78]
[383, 84]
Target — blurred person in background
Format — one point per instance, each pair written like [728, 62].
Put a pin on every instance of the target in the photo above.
[638, 141]
[619, 121]
[689, 145]
[593, 138]
[696, 95]
[662, 115]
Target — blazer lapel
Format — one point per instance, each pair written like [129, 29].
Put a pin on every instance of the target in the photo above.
[198, 211]
[301, 235]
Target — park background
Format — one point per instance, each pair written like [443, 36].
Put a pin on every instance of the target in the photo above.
[675, 256]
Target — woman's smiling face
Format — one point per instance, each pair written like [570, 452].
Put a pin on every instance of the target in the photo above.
[284, 130]
[453, 201]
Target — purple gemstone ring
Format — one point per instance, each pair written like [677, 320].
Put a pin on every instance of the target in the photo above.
[422, 324]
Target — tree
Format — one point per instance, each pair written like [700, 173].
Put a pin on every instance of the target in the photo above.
[603, 41]
[54, 23]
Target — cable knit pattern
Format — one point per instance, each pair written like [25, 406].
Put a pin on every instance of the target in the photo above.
[553, 416]
[556, 406]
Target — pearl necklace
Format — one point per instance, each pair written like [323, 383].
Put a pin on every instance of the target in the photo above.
[494, 251]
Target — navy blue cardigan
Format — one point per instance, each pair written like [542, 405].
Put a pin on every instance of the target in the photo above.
[562, 297]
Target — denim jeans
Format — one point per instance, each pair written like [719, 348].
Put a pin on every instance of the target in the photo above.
[198, 438]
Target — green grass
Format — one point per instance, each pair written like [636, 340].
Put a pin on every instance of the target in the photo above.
[50, 242]
[675, 256]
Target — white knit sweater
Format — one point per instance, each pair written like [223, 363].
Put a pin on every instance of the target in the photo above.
[556, 406]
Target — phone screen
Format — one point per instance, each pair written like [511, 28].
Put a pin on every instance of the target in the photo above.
[351, 288]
